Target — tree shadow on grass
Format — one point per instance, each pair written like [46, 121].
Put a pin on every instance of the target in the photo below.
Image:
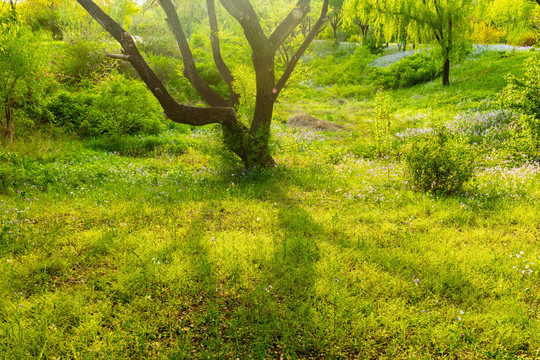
[272, 316]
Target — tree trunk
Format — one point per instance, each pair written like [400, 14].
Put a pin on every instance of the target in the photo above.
[446, 71]
[259, 133]
[447, 52]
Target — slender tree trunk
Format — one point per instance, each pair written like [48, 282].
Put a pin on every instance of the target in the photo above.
[447, 52]
[446, 71]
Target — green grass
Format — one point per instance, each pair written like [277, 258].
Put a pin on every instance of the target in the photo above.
[166, 249]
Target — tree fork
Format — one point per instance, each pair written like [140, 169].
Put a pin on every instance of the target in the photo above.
[250, 144]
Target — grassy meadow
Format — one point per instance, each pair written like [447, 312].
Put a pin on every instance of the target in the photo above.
[164, 247]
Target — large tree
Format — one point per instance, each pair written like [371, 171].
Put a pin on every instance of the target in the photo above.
[249, 143]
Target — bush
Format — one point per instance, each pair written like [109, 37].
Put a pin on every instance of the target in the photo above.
[523, 95]
[115, 106]
[84, 59]
[24, 77]
[409, 71]
[525, 38]
[16, 169]
[485, 33]
[437, 164]
[373, 44]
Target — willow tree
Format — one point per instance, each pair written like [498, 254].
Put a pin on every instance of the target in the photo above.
[443, 22]
[249, 143]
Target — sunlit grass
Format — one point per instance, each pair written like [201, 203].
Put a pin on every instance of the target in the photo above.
[175, 252]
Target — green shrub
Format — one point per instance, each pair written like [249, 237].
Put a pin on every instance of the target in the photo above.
[115, 106]
[523, 95]
[24, 77]
[373, 44]
[122, 106]
[84, 59]
[412, 70]
[438, 163]
[17, 169]
[69, 109]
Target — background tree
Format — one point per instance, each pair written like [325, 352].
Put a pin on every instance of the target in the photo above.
[359, 13]
[250, 144]
[20, 72]
[443, 22]
[335, 15]
[512, 15]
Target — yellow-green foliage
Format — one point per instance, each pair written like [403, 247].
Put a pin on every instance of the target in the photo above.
[485, 33]
[245, 86]
[525, 38]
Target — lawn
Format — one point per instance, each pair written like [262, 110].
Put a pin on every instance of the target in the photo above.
[163, 247]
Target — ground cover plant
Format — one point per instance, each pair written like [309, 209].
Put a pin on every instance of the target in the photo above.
[162, 246]
[410, 230]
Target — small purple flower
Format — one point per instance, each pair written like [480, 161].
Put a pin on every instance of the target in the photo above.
[213, 238]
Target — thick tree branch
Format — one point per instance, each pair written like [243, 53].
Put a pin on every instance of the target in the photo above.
[216, 51]
[176, 112]
[284, 30]
[119, 56]
[190, 71]
[298, 54]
